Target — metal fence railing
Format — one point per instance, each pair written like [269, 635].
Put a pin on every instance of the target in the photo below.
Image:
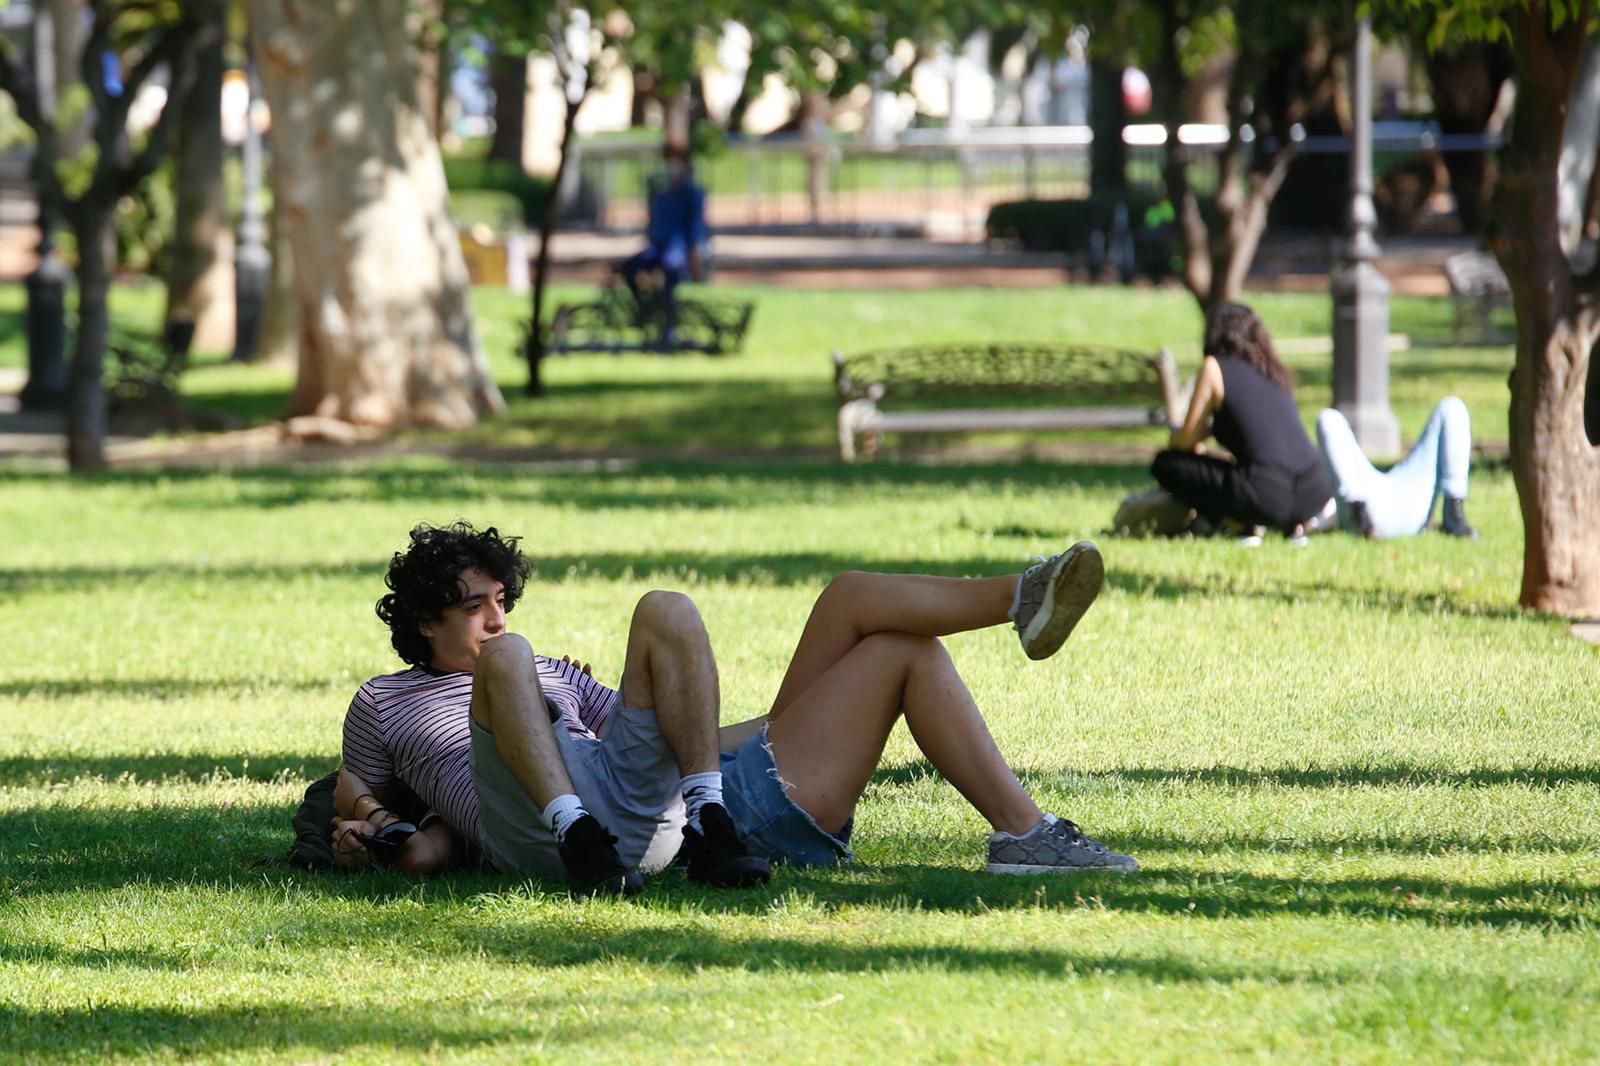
[939, 181]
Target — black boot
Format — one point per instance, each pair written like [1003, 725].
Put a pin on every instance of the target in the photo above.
[1454, 519]
[1361, 521]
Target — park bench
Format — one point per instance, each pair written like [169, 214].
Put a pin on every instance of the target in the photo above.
[619, 323]
[1478, 287]
[141, 376]
[1065, 386]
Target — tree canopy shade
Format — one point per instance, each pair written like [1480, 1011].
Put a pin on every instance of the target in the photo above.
[386, 331]
[1557, 471]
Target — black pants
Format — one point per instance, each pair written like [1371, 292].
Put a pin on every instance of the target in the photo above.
[1253, 496]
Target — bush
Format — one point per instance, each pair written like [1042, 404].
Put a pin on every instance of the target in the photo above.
[1062, 225]
[498, 176]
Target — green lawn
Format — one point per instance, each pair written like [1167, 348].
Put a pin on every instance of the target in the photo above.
[1365, 788]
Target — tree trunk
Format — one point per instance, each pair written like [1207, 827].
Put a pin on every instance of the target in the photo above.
[1108, 113]
[508, 77]
[386, 330]
[433, 71]
[86, 396]
[198, 281]
[280, 328]
[1556, 471]
[1466, 85]
[547, 229]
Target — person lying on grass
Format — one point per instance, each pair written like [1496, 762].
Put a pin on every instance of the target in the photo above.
[789, 780]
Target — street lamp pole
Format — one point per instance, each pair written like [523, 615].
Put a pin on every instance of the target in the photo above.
[252, 263]
[1360, 291]
[47, 285]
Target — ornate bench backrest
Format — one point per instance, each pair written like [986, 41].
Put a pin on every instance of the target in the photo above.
[1475, 273]
[1069, 375]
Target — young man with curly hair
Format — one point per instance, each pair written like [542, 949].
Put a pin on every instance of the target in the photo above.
[869, 656]
[543, 768]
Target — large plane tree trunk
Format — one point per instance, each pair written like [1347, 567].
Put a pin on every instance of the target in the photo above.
[1556, 470]
[386, 331]
[199, 281]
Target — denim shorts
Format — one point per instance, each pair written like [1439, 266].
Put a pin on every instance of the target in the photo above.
[769, 821]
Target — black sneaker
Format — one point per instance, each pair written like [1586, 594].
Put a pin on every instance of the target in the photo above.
[1454, 519]
[1361, 521]
[593, 866]
[716, 856]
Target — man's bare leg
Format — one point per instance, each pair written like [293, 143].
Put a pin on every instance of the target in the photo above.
[670, 669]
[508, 702]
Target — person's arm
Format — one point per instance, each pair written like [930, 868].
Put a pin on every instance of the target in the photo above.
[1202, 405]
[431, 850]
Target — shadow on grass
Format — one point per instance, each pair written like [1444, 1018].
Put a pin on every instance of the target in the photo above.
[732, 484]
[785, 569]
[1299, 594]
[49, 851]
[97, 1033]
[148, 688]
[22, 771]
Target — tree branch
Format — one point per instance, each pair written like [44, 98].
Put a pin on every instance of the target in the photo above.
[25, 96]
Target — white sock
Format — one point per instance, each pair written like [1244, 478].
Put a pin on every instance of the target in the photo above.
[562, 812]
[699, 790]
[1048, 819]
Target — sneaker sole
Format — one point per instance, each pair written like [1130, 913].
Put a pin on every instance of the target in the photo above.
[1025, 869]
[1082, 574]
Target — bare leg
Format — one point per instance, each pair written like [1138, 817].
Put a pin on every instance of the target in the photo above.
[830, 736]
[508, 702]
[857, 604]
[670, 669]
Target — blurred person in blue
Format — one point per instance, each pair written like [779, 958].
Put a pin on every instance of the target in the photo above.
[677, 235]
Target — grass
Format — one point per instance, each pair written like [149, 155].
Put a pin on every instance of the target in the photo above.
[1365, 788]
[778, 394]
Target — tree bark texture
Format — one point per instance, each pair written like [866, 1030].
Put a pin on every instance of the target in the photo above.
[199, 281]
[508, 78]
[86, 394]
[547, 230]
[386, 331]
[1557, 472]
[280, 329]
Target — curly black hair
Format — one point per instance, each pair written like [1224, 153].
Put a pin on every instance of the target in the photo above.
[425, 579]
[1234, 332]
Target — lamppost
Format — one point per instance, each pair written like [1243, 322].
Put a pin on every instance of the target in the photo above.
[47, 285]
[252, 262]
[1360, 291]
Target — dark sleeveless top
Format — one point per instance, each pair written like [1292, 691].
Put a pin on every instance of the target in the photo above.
[1259, 423]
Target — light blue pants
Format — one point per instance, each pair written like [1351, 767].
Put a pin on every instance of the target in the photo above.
[1400, 500]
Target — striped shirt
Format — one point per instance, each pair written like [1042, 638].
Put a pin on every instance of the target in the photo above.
[412, 726]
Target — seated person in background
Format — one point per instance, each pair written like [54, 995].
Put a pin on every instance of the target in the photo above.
[676, 232]
[1243, 396]
[1398, 503]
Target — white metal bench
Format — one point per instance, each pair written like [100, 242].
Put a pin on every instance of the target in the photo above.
[1052, 387]
[1478, 287]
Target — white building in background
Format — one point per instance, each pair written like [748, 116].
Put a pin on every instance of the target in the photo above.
[955, 85]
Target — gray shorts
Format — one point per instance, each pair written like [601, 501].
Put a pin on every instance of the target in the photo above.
[628, 779]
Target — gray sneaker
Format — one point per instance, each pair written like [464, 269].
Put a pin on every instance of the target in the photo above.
[1054, 595]
[1057, 847]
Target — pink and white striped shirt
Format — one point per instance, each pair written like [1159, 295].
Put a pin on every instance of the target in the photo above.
[413, 727]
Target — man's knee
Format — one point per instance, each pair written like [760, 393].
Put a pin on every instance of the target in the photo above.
[1454, 412]
[504, 654]
[668, 616]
